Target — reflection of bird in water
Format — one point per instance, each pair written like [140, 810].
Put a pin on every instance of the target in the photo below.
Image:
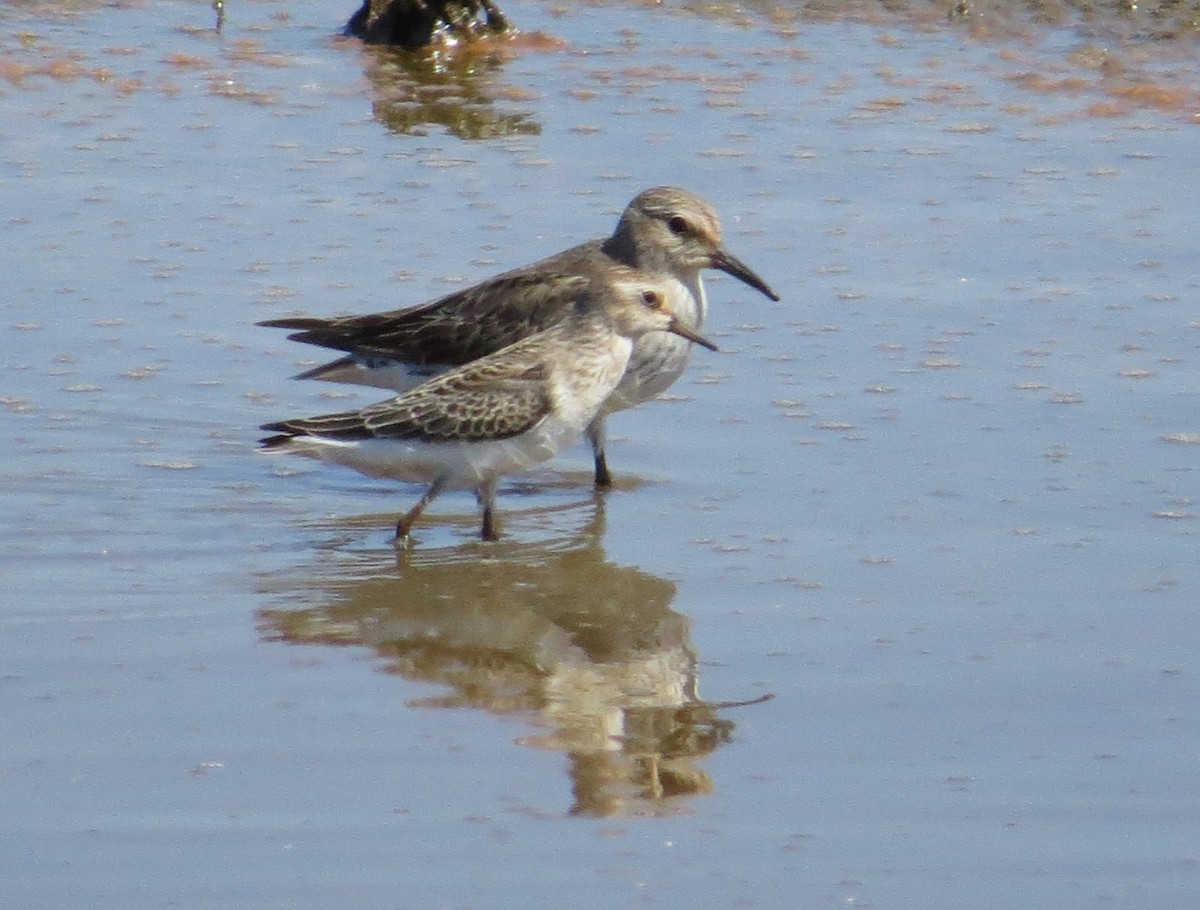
[588, 651]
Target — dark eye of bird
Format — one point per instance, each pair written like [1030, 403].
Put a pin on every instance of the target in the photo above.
[651, 299]
[678, 225]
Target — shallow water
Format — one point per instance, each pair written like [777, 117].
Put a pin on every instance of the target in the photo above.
[940, 501]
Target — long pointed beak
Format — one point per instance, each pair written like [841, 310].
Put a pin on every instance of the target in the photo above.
[684, 332]
[731, 265]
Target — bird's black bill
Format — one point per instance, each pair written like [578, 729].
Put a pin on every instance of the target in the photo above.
[731, 265]
[684, 332]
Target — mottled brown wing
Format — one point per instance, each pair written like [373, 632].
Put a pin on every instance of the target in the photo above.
[462, 326]
[486, 400]
[495, 398]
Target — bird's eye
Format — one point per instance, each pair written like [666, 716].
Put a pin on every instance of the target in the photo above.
[652, 299]
[678, 225]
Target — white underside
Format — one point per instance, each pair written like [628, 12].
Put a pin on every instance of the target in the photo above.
[384, 374]
[460, 465]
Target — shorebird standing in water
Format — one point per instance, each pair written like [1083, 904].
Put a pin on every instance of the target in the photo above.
[506, 411]
[665, 231]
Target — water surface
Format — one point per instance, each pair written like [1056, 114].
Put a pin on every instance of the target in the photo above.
[940, 500]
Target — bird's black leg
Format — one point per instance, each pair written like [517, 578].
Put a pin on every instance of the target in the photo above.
[486, 494]
[409, 518]
[596, 435]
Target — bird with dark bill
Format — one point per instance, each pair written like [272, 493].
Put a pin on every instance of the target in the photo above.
[665, 231]
[503, 412]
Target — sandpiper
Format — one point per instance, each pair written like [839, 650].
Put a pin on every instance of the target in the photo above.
[666, 231]
[521, 405]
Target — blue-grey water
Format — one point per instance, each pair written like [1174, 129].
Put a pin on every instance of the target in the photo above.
[940, 501]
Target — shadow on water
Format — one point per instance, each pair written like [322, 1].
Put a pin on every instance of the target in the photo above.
[587, 651]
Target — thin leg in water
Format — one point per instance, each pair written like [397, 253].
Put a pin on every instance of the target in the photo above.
[486, 494]
[597, 436]
[404, 525]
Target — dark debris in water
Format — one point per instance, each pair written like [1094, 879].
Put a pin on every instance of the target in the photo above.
[413, 24]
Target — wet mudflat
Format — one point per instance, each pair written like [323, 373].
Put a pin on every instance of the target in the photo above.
[940, 501]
